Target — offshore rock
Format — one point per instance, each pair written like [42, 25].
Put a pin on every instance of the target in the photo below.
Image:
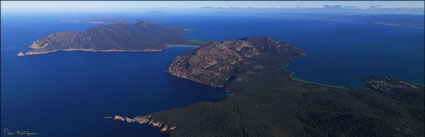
[146, 119]
[116, 117]
[21, 53]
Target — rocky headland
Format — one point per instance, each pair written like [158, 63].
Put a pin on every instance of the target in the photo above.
[267, 102]
[140, 37]
[146, 119]
[217, 63]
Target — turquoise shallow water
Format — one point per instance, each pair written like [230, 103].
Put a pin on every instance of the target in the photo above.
[69, 93]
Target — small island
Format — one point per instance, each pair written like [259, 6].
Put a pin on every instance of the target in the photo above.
[140, 37]
[21, 53]
[268, 102]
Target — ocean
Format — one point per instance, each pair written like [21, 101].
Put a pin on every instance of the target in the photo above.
[68, 94]
[337, 53]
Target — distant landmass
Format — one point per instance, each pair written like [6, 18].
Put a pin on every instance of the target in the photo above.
[386, 19]
[266, 101]
[406, 20]
[142, 36]
[409, 17]
[98, 20]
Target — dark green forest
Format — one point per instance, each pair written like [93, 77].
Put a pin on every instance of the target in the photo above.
[266, 102]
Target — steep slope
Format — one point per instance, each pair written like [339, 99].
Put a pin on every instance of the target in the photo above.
[215, 64]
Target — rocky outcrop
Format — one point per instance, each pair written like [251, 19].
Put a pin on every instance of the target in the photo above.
[21, 53]
[139, 37]
[216, 63]
[146, 119]
[164, 128]
[116, 117]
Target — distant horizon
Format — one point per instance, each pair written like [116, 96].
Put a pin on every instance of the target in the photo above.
[107, 6]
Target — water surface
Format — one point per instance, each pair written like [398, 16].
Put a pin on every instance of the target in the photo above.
[69, 93]
[337, 53]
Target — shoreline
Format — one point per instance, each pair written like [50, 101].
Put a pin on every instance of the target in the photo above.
[341, 87]
[172, 45]
[31, 52]
[317, 83]
[417, 83]
[92, 50]
[311, 82]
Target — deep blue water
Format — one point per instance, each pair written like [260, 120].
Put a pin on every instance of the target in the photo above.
[337, 53]
[69, 93]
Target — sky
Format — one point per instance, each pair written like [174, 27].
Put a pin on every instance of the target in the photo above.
[28, 6]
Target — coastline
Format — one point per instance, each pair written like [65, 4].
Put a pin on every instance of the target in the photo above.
[335, 86]
[93, 50]
[418, 83]
[180, 45]
[32, 52]
[317, 83]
